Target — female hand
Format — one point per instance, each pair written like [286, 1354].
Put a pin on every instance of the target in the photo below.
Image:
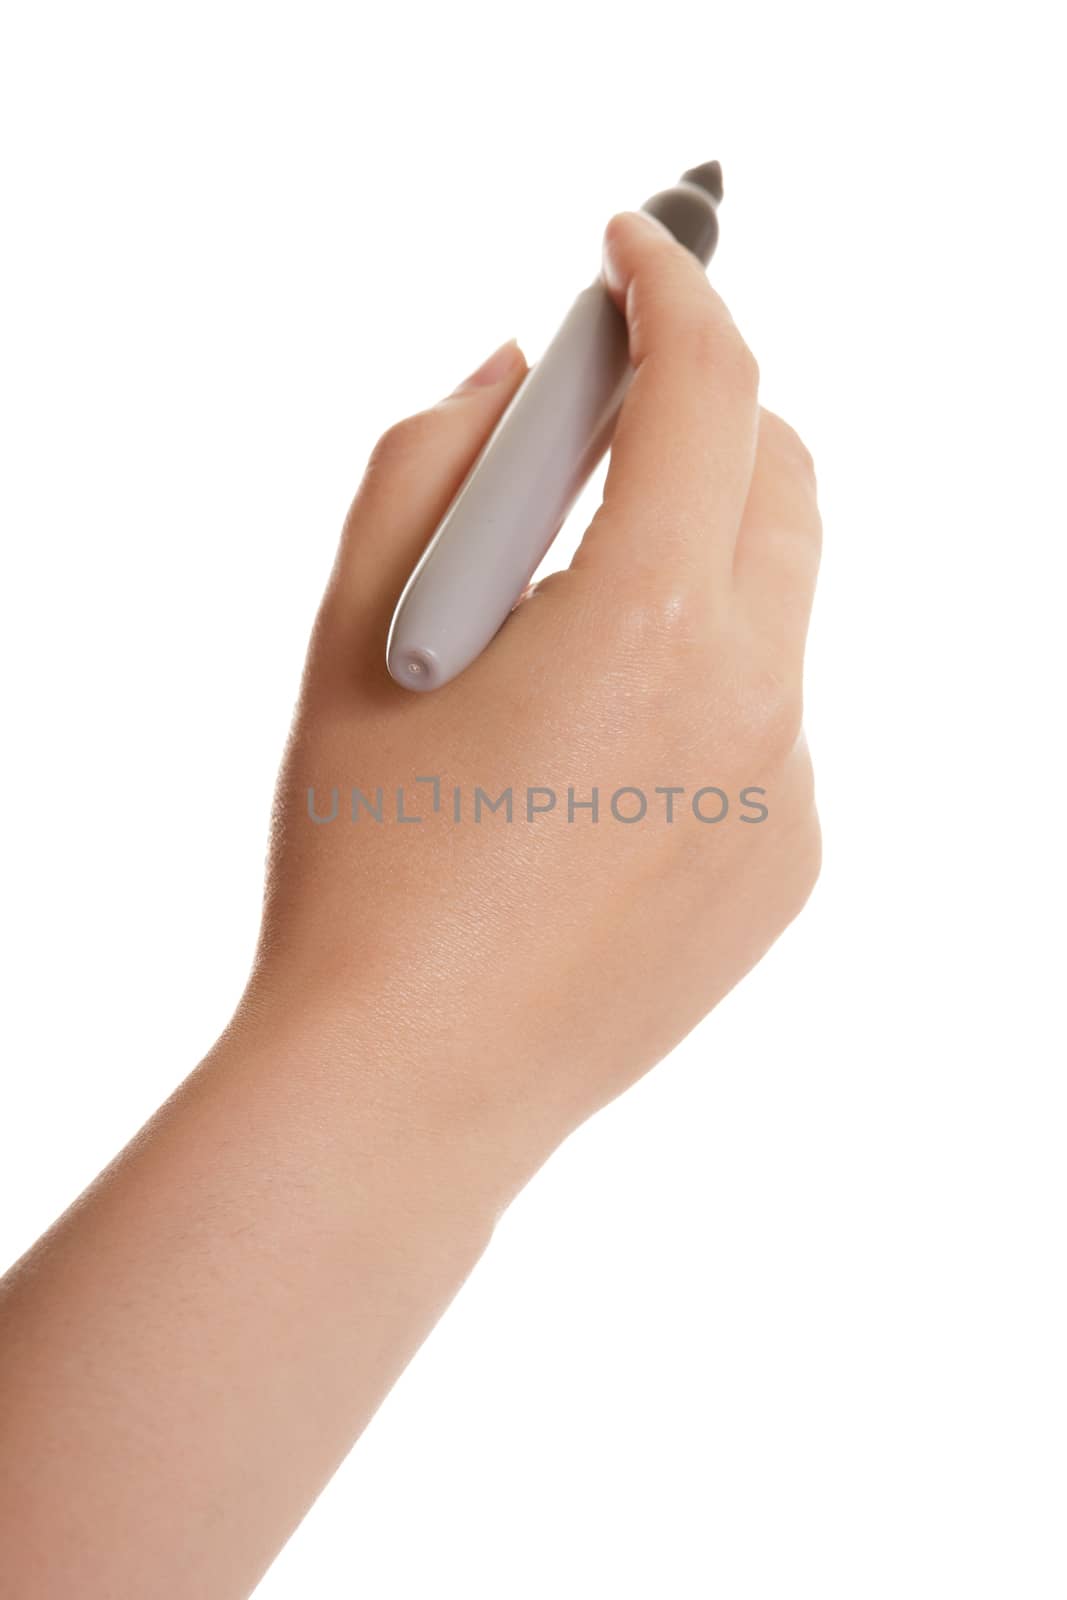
[527, 962]
[189, 1352]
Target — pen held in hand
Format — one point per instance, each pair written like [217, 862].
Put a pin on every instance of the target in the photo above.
[517, 494]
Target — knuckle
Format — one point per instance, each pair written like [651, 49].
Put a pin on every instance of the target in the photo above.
[653, 621]
[715, 345]
[787, 444]
[727, 356]
[747, 373]
[771, 713]
[400, 441]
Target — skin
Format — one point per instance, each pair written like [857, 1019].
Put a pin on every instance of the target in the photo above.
[189, 1353]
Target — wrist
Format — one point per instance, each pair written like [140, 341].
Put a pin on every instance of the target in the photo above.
[390, 1095]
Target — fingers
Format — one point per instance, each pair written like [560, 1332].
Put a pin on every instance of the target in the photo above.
[778, 547]
[685, 443]
[414, 471]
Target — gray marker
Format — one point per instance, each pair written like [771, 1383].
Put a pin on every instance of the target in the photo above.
[532, 468]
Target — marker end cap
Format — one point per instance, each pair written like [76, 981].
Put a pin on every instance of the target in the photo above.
[415, 669]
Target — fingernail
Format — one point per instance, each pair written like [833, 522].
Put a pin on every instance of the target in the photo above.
[493, 369]
[614, 275]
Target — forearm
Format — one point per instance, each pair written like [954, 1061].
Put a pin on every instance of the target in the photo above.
[190, 1352]
[239, 1290]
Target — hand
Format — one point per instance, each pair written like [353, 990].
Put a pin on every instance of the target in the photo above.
[519, 973]
[434, 1005]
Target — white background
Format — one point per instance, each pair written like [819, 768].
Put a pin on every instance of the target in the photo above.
[789, 1319]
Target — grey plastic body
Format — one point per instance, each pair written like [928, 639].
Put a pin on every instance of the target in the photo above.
[531, 470]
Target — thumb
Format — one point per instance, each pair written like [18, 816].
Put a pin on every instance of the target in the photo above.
[413, 473]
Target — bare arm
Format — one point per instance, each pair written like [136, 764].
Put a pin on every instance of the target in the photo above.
[189, 1353]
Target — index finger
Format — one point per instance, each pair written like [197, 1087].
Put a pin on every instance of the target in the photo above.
[685, 443]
